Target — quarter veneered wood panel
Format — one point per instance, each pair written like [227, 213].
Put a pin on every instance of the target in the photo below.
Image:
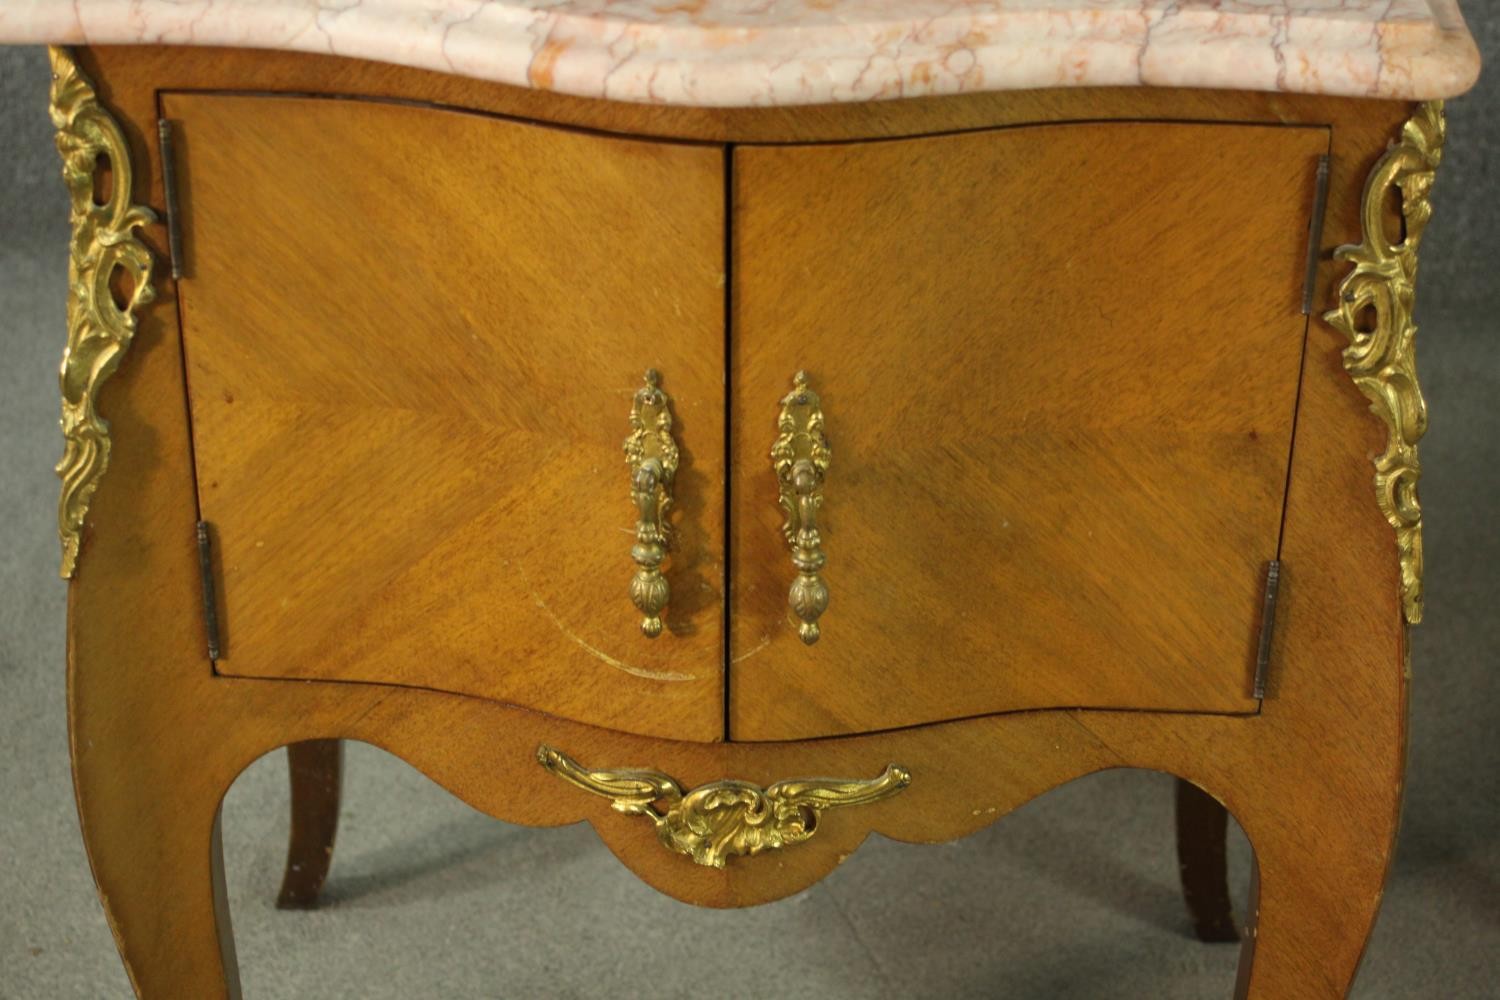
[1059, 367]
[412, 338]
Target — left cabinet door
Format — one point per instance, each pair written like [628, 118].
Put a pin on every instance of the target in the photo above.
[413, 339]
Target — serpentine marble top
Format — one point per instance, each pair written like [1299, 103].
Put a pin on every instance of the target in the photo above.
[769, 52]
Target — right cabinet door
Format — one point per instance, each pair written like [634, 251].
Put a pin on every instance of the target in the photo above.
[1058, 370]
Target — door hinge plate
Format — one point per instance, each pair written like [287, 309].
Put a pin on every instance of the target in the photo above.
[1315, 237]
[1267, 627]
[210, 600]
[169, 191]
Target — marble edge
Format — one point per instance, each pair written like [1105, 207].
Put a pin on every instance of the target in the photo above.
[796, 63]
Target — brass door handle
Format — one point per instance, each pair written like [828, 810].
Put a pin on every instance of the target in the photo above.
[800, 457]
[652, 456]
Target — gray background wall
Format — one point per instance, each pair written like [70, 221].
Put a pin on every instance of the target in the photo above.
[1074, 896]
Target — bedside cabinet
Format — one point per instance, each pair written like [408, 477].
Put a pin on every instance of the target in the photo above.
[722, 454]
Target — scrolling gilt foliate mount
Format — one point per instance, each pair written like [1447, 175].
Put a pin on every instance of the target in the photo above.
[723, 819]
[103, 246]
[1381, 354]
[652, 456]
[800, 457]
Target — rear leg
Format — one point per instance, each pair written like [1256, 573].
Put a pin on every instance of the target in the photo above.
[317, 768]
[1202, 824]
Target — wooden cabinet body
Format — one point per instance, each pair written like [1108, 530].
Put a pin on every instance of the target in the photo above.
[1076, 407]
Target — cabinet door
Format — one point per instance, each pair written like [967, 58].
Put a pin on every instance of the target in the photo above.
[1058, 368]
[413, 339]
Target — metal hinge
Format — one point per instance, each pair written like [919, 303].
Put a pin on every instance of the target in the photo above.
[1315, 237]
[1267, 627]
[169, 190]
[210, 602]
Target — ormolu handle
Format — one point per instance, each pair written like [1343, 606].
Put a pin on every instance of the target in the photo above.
[800, 457]
[652, 456]
[728, 818]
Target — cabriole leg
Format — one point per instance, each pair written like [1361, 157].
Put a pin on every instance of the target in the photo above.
[152, 834]
[1201, 827]
[317, 768]
[1313, 902]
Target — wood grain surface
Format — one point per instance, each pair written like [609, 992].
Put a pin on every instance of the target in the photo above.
[157, 737]
[412, 340]
[1058, 366]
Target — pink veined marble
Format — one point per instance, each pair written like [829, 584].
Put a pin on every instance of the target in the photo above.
[780, 52]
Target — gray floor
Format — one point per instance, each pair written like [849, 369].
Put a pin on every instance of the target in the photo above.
[1074, 896]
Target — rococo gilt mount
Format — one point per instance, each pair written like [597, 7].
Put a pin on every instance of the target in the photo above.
[1090, 509]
